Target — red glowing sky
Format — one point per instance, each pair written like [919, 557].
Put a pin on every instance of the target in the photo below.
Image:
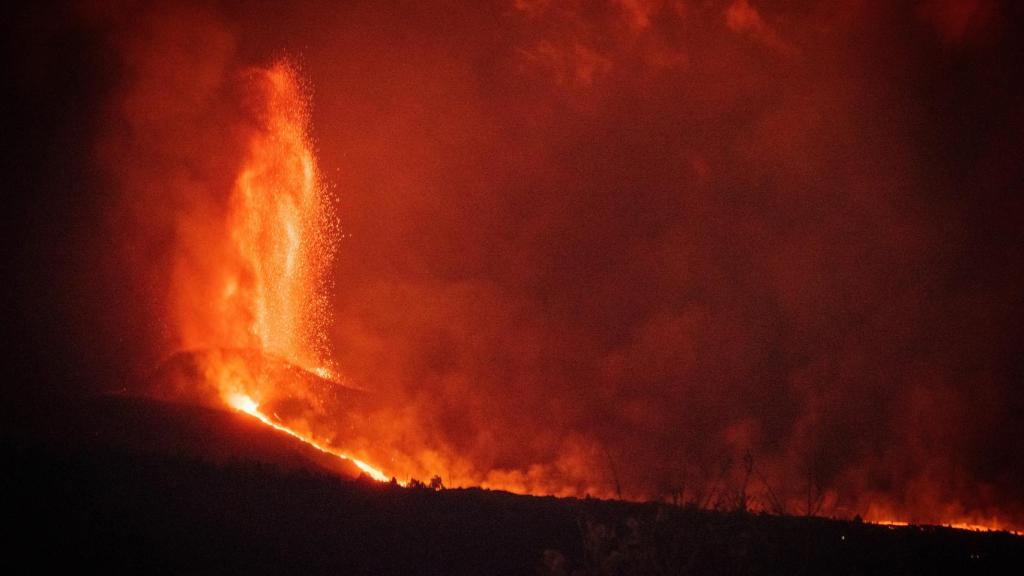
[658, 234]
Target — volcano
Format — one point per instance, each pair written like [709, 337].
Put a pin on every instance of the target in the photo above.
[180, 410]
[202, 376]
[319, 413]
[158, 428]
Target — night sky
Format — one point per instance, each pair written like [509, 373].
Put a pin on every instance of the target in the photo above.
[584, 242]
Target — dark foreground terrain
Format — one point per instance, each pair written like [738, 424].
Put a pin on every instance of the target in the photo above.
[134, 507]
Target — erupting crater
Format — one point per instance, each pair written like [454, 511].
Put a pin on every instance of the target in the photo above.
[250, 286]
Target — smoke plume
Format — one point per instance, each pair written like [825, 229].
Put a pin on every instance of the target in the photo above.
[647, 248]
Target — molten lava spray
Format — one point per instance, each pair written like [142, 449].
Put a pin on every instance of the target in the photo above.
[267, 289]
[270, 296]
[233, 231]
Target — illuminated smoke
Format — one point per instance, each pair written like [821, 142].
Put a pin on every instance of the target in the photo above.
[606, 246]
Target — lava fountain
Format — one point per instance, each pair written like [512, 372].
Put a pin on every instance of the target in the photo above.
[255, 332]
[280, 235]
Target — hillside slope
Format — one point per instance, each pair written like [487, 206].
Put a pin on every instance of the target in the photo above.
[177, 489]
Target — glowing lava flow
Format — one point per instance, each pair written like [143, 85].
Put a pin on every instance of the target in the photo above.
[969, 526]
[244, 403]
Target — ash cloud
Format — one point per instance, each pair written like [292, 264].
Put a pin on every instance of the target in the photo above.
[638, 239]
